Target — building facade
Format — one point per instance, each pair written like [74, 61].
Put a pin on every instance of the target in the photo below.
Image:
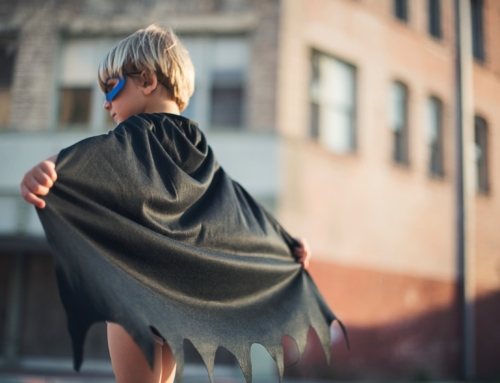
[339, 115]
[367, 115]
[49, 99]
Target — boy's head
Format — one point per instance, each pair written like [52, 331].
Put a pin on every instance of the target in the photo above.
[154, 50]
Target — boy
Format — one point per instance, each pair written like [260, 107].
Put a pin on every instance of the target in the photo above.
[148, 75]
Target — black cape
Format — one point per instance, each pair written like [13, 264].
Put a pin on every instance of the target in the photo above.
[147, 230]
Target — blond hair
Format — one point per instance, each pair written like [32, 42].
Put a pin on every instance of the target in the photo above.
[157, 50]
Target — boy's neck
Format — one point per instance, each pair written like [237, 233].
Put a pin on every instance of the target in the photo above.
[162, 106]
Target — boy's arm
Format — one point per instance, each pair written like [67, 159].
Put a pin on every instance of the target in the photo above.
[38, 181]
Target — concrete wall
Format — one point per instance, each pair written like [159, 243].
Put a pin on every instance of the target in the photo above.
[250, 158]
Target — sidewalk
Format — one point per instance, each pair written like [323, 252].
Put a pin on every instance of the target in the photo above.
[186, 379]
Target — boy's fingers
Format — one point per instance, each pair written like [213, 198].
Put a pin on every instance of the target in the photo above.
[31, 198]
[48, 168]
[34, 186]
[302, 252]
[300, 256]
[42, 177]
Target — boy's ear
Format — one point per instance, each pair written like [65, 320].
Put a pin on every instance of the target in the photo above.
[149, 82]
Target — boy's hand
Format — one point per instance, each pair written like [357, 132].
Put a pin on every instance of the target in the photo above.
[38, 181]
[303, 252]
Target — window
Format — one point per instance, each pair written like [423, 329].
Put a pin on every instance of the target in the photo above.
[333, 103]
[399, 121]
[435, 136]
[218, 102]
[7, 56]
[477, 29]
[228, 79]
[401, 10]
[80, 98]
[74, 106]
[221, 65]
[434, 17]
[481, 139]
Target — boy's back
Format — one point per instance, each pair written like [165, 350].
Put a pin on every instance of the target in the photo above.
[149, 232]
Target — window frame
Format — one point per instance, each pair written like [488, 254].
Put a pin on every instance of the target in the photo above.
[436, 147]
[481, 132]
[200, 108]
[434, 19]
[74, 125]
[477, 27]
[98, 121]
[400, 137]
[315, 102]
[401, 10]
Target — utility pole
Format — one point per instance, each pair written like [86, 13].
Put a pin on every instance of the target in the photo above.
[465, 183]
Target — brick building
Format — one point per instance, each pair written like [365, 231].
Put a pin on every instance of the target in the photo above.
[366, 112]
[49, 98]
[339, 115]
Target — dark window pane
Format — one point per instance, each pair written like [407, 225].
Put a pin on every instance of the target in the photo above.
[7, 56]
[74, 106]
[227, 99]
[434, 9]
[226, 106]
[436, 137]
[477, 29]
[481, 138]
[314, 95]
[314, 120]
[315, 75]
[401, 9]
[400, 147]
[400, 122]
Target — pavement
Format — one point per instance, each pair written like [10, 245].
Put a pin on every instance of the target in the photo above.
[19, 378]
[53, 370]
[6, 378]
[192, 374]
[187, 378]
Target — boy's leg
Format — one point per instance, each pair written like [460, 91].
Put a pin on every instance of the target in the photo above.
[168, 364]
[129, 363]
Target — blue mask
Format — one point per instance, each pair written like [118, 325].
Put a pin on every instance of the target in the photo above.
[112, 94]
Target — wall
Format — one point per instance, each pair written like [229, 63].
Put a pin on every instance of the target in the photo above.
[383, 234]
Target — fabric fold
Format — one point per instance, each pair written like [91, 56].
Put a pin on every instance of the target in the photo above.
[148, 231]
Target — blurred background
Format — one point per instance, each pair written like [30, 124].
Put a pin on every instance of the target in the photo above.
[342, 117]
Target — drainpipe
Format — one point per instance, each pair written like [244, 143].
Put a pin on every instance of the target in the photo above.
[465, 183]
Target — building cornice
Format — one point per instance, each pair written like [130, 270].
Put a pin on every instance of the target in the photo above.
[223, 23]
